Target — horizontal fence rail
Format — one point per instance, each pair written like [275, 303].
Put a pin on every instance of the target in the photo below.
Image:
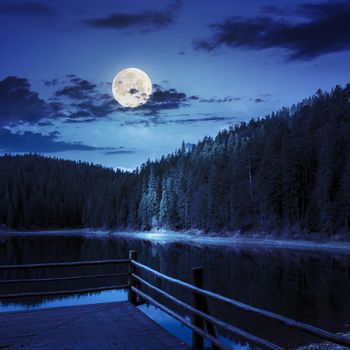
[54, 279]
[318, 332]
[65, 264]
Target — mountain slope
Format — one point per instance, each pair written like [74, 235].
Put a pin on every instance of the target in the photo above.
[287, 171]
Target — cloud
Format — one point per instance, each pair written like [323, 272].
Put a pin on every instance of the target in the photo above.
[155, 121]
[274, 10]
[80, 114]
[45, 124]
[52, 82]
[37, 142]
[120, 151]
[98, 106]
[28, 9]
[133, 91]
[80, 120]
[232, 99]
[324, 28]
[78, 89]
[141, 21]
[89, 102]
[165, 99]
[168, 96]
[221, 100]
[200, 120]
[78, 101]
[18, 103]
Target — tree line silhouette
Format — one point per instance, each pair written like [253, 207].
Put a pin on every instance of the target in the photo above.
[289, 171]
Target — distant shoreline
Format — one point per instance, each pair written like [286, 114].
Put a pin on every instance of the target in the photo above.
[193, 237]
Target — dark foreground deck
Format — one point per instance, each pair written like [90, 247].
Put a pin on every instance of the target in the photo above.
[118, 325]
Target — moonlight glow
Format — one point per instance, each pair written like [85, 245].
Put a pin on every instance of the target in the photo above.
[132, 87]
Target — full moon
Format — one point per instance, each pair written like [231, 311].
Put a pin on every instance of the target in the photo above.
[132, 87]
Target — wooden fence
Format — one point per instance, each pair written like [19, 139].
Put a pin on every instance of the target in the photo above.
[202, 324]
[54, 279]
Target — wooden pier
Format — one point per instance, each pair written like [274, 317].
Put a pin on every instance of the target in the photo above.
[107, 326]
[121, 325]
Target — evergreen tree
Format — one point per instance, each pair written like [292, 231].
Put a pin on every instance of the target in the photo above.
[287, 171]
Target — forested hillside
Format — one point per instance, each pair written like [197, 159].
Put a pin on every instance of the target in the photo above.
[42, 192]
[287, 171]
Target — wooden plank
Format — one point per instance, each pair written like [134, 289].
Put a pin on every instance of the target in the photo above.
[53, 279]
[65, 264]
[318, 332]
[223, 325]
[181, 319]
[107, 326]
[62, 292]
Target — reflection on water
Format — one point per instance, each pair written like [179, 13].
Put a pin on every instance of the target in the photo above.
[308, 286]
[180, 331]
[75, 299]
[167, 322]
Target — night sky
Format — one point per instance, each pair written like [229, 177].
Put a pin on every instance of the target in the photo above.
[212, 63]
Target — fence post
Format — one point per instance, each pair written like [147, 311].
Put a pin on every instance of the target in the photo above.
[197, 280]
[132, 297]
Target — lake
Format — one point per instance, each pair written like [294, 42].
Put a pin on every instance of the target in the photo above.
[311, 286]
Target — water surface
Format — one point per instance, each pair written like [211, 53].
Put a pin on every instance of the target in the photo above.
[307, 285]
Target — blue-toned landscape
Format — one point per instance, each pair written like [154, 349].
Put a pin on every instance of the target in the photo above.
[175, 174]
